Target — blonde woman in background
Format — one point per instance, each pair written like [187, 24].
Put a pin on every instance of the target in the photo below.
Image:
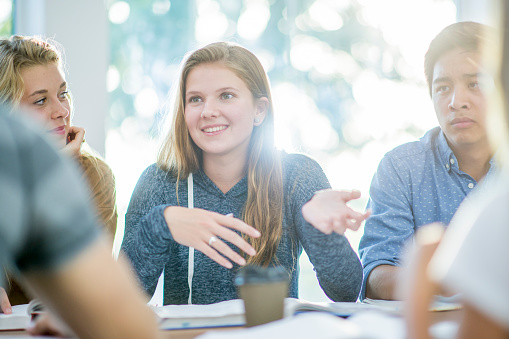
[32, 78]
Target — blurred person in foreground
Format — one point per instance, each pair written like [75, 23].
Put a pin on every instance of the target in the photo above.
[469, 258]
[48, 233]
[425, 181]
[32, 77]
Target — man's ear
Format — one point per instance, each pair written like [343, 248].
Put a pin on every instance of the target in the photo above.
[262, 107]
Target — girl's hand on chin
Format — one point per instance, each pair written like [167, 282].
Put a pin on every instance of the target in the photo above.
[204, 231]
[75, 139]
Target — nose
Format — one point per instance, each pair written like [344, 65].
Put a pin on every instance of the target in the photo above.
[209, 110]
[59, 111]
[459, 100]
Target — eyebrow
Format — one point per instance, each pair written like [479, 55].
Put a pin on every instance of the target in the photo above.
[227, 89]
[43, 91]
[217, 91]
[467, 76]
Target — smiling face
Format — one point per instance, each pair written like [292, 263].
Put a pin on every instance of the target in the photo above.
[46, 99]
[220, 111]
[459, 102]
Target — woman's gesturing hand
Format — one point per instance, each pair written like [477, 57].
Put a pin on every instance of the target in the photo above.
[205, 231]
[328, 211]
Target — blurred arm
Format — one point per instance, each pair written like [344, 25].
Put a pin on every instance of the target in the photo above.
[476, 324]
[96, 296]
[388, 228]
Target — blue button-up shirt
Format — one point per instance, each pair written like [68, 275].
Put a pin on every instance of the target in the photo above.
[415, 184]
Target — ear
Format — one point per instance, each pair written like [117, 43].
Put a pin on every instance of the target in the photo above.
[262, 107]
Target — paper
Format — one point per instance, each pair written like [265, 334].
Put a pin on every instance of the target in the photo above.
[316, 325]
[221, 309]
[231, 312]
[340, 309]
[438, 304]
[222, 314]
[382, 325]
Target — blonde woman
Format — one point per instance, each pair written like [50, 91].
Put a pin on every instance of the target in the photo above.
[32, 78]
[220, 186]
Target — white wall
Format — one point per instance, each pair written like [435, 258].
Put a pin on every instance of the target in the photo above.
[82, 28]
[475, 10]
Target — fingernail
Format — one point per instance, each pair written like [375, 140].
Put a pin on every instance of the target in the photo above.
[8, 310]
[257, 233]
[242, 262]
[251, 252]
[229, 215]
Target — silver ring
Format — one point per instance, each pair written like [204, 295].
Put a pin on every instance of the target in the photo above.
[212, 240]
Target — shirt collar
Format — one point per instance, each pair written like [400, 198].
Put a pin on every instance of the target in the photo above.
[449, 160]
[204, 181]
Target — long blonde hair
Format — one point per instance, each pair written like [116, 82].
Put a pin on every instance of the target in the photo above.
[17, 53]
[180, 156]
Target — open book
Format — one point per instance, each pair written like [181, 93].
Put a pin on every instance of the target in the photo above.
[231, 312]
[438, 304]
[17, 320]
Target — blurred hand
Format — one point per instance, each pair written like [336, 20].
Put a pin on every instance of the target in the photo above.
[75, 139]
[5, 305]
[328, 211]
[414, 284]
[196, 227]
[46, 324]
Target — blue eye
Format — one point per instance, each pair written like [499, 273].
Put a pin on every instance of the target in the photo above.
[194, 99]
[227, 96]
[64, 95]
[40, 101]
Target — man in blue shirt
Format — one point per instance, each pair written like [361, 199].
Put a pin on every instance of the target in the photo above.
[425, 181]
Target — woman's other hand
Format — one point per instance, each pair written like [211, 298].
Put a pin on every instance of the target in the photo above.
[205, 231]
[328, 211]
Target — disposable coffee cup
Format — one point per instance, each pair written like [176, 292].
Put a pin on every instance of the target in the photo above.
[264, 291]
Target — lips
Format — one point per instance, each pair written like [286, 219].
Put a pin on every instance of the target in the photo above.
[462, 122]
[59, 130]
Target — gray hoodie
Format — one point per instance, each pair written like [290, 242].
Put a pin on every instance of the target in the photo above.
[150, 247]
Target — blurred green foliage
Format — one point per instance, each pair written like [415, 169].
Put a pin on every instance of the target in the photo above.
[147, 47]
[6, 27]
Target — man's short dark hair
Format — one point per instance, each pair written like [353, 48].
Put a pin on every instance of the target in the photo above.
[465, 35]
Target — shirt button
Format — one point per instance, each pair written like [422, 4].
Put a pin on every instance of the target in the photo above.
[470, 185]
[447, 166]
[452, 161]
